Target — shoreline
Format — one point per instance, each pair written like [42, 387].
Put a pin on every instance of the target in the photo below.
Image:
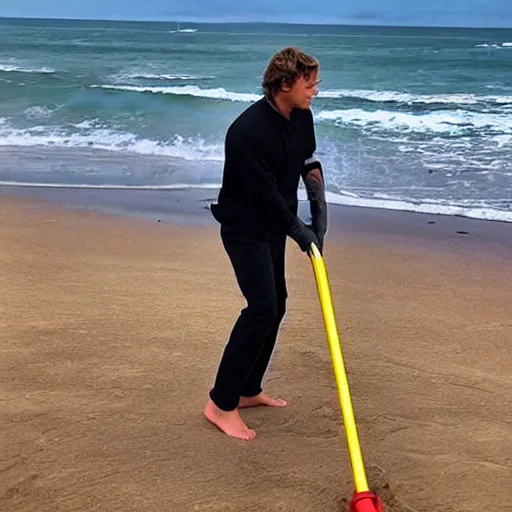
[190, 207]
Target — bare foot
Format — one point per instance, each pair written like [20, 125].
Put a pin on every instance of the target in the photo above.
[229, 422]
[261, 399]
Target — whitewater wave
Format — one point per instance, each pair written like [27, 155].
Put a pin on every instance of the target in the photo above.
[172, 186]
[89, 135]
[473, 211]
[494, 45]
[37, 112]
[409, 98]
[449, 122]
[10, 68]
[218, 93]
[149, 76]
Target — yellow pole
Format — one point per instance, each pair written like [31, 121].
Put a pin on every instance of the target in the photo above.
[324, 293]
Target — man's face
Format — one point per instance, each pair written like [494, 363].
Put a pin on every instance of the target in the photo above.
[303, 90]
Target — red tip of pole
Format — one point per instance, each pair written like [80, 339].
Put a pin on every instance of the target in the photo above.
[366, 502]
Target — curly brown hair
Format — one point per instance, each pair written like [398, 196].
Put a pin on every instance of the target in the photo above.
[285, 67]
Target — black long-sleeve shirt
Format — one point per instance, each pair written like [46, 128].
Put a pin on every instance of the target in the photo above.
[265, 155]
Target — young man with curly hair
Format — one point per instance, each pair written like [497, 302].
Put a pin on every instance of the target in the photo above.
[268, 148]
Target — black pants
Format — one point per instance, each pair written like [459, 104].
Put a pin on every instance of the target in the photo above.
[259, 265]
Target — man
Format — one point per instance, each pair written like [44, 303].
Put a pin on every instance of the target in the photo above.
[267, 149]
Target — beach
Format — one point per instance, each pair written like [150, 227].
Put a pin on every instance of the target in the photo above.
[114, 316]
[117, 298]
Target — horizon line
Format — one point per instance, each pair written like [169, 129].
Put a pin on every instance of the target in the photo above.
[260, 22]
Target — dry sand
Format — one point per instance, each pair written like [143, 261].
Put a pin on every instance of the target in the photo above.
[112, 327]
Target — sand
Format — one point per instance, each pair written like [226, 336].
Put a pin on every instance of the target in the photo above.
[112, 328]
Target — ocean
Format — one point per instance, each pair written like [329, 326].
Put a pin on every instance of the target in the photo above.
[416, 119]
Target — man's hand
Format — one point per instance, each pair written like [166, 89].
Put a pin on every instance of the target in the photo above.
[305, 236]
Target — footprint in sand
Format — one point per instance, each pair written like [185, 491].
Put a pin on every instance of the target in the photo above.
[323, 421]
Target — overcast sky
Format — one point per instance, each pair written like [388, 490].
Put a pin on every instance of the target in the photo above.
[469, 13]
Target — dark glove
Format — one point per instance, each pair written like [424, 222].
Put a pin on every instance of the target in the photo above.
[319, 221]
[304, 236]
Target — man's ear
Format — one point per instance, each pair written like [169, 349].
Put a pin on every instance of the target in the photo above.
[286, 87]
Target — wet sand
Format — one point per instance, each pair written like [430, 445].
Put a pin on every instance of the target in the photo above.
[112, 327]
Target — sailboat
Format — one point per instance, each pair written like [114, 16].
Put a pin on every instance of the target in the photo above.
[183, 30]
